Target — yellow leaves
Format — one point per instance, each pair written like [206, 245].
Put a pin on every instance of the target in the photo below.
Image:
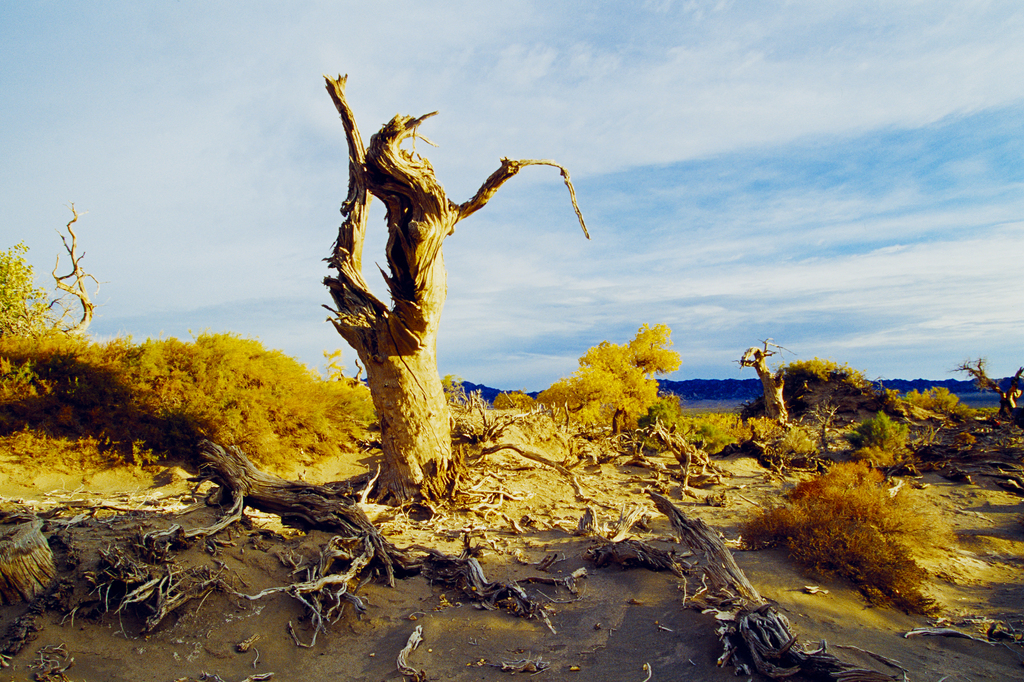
[615, 377]
[650, 350]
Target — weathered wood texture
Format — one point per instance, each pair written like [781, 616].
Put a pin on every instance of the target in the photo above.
[324, 507]
[26, 562]
[747, 623]
[772, 384]
[397, 343]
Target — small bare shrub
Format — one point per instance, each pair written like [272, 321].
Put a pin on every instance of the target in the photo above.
[846, 523]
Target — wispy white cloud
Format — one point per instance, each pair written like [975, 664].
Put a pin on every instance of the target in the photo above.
[831, 175]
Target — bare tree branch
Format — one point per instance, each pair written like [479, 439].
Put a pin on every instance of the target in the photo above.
[978, 369]
[78, 277]
[505, 172]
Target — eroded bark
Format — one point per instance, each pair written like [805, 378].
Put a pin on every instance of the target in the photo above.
[1008, 398]
[397, 343]
[772, 383]
[78, 277]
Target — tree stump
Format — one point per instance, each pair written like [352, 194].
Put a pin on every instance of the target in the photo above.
[26, 562]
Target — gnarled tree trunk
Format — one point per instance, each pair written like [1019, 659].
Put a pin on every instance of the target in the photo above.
[1008, 398]
[774, 403]
[397, 344]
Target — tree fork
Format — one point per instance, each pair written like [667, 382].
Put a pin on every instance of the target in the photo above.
[397, 344]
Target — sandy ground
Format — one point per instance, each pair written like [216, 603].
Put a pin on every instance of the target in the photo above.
[623, 620]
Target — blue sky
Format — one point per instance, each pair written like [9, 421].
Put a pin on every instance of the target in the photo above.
[844, 178]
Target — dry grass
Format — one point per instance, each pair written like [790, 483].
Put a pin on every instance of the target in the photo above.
[846, 523]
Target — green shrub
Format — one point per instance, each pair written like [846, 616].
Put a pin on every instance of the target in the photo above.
[879, 435]
[667, 410]
[162, 396]
[846, 523]
[711, 430]
[24, 309]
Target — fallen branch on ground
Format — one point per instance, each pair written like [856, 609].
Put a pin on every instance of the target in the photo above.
[747, 623]
[325, 507]
[540, 459]
[466, 575]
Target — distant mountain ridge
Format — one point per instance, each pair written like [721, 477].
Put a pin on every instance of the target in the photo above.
[748, 389]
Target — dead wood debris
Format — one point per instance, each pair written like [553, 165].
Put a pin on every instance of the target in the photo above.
[324, 594]
[326, 507]
[540, 459]
[943, 632]
[123, 580]
[415, 639]
[21, 631]
[747, 624]
[634, 553]
[530, 664]
[214, 677]
[694, 461]
[465, 574]
[26, 562]
[613, 532]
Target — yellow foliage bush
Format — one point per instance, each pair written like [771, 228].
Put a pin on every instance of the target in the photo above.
[846, 523]
[938, 399]
[513, 400]
[162, 396]
[615, 379]
[816, 370]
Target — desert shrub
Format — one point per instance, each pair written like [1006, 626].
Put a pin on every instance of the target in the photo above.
[711, 430]
[514, 400]
[798, 442]
[454, 391]
[938, 399]
[846, 523]
[880, 433]
[765, 429]
[818, 370]
[161, 396]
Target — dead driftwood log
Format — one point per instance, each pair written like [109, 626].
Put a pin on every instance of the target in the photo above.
[330, 508]
[26, 562]
[748, 626]
[631, 553]
[465, 575]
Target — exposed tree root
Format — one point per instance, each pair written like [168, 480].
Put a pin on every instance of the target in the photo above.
[325, 507]
[324, 594]
[632, 553]
[540, 459]
[747, 624]
[465, 575]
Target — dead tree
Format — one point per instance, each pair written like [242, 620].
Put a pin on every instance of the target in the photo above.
[77, 278]
[397, 343]
[747, 624]
[1007, 398]
[772, 383]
